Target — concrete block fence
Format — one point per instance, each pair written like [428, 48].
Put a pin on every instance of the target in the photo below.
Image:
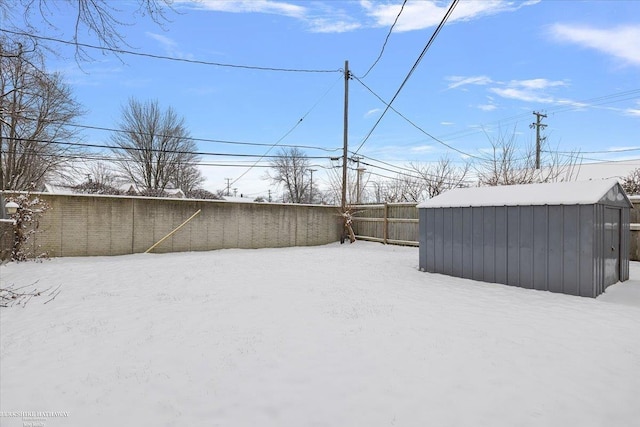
[88, 225]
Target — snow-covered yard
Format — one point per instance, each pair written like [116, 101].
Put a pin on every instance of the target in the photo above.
[337, 335]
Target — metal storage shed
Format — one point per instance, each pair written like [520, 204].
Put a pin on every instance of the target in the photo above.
[568, 237]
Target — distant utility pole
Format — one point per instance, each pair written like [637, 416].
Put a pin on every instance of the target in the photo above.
[538, 124]
[311, 186]
[228, 186]
[269, 195]
[359, 171]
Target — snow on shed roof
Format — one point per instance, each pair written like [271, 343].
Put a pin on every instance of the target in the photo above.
[556, 193]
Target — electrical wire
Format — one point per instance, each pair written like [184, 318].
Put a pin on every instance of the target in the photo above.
[169, 58]
[430, 175]
[385, 40]
[292, 129]
[620, 150]
[591, 102]
[187, 138]
[97, 157]
[154, 150]
[598, 161]
[413, 68]
[412, 124]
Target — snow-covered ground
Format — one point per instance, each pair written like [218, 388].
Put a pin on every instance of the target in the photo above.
[337, 335]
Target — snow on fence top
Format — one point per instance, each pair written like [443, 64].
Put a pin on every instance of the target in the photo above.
[557, 193]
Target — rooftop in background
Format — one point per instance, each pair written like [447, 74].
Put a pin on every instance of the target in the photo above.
[617, 169]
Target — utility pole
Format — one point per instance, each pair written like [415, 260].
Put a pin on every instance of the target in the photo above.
[269, 195]
[538, 124]
[228, 186]
[344, 151]
[311, 186]
[345, 138]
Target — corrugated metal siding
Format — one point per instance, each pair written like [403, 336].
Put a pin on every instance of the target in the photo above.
[554, 248]
[598, 250]
[625, 244]
[540, 247]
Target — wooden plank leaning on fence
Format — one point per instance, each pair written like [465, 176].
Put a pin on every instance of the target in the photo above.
[172, 232]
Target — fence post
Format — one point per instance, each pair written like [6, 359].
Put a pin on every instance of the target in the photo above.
[385, 228]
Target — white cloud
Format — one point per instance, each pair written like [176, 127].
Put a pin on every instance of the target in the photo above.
[632, 112]
[424, 14]
[487, 107]
[422, 148]
[620, 42]
[447, 123]
[537, 83]
[325, 17]
[170, 46]
[521, 95]
[324, 25]
[319, 17]
[253, 6]
[372, 112]
[458, 81]
[531, 90]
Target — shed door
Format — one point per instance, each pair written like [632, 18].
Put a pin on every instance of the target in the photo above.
[611, 246]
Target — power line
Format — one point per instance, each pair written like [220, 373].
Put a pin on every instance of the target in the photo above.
[169, 58]
[597, 161]
[97, 157]
[188, 138]
[412, 124]
[155, 150]
[621, 150]
[292, 129]
[591, 102]
[385, 40]
[413, 68]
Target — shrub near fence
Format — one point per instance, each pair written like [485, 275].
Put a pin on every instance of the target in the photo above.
[87, 225]
[394, 223]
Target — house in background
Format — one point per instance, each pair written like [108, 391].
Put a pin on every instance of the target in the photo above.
[567, 237]
[127, 189]
[131, 189]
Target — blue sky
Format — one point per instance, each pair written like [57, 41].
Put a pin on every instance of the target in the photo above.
[490, 67]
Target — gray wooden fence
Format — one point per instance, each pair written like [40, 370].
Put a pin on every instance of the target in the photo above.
[389, 223]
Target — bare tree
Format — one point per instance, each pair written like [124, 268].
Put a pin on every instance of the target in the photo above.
[356, 186]
[441, 176]
[423, 182]
[507, 165]
[631, 183]
[36, 111]
[189, 179]
[102, 173]
[99, 179]
[153, 148]
[100, 18]
[291, 170]
[201, 193]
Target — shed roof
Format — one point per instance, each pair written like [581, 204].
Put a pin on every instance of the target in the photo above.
[556, 193]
